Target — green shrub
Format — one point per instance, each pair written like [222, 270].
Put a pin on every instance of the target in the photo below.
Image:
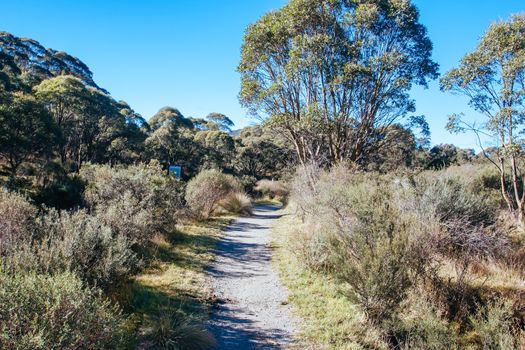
[206, 190]
[17, 221]
[493, 327]
[237, 203]
[421, 325]
[362, 238]
[450, 201]
[56, 312]
[77, 242]
[145, 198]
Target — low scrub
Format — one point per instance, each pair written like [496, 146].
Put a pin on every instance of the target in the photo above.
[272, 189]
[17, 221]
[56, 312]
[136, 201]
[415, 253]
[237, 203]
[175, 330]
[205, 191]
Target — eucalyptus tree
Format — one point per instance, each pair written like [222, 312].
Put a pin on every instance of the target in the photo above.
[27, 131]
[220, 121]
[167, 115]
[219, 149]
[493, 78]
[65, 97]
[329, 73]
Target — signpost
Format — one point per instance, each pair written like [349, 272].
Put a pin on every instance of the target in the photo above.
[175, 170]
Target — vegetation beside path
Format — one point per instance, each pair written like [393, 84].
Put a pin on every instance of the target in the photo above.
[175, 284]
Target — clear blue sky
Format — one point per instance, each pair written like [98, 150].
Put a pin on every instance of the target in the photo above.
[183, 53]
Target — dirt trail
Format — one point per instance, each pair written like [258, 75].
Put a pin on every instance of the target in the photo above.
[251, 310]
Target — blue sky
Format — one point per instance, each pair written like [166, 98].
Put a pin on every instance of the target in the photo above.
[183, 53]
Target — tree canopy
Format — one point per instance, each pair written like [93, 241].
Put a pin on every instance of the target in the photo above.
[330, 73]
[493, 78]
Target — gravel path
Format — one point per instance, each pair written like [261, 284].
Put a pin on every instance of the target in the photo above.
[251, 310]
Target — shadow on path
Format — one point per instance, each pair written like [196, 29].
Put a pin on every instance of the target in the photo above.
[249, 312]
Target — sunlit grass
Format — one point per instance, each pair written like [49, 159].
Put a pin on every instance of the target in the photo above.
[329, 319]
[175, 280]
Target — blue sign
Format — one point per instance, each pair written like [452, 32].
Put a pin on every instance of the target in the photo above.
[175, 170]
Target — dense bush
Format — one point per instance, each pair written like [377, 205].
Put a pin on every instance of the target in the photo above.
[17, 221]
[56, 242]
[408, 251]
[493, 327]
[272, 189]
[135, 201]
[80, 243]
[421, 325]
[206, 190]
[56, 312]
[367, 240]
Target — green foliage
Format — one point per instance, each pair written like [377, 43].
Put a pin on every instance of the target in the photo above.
[82, 244]
[449, 200]
[220, 121]
[304, 64]
[29, 62]
[260, 153]
[56, 312]
[207, 189]
[492, 78]
[364, 238]
[219, 149]
[170, 115]
[421, 325]
[17, 221]
[493, 327]
[135, 201]
[26, 131]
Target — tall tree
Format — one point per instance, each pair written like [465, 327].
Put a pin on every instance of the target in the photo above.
[493, 78]
[66, 98]
[169, 115]
[222, 122]
[27, 131]
[328, 74]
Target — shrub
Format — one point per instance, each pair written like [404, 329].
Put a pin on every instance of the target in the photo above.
[135, 201]
[127, 217]
[421, 326]
[207, 189]
[493, 326]
[17, 218]
[56, 312]
[362, 238]
[237, 203]
[272, 189]
[79, 243]
[450, 201]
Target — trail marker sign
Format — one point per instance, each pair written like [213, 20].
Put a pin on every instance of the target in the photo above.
[175, 170]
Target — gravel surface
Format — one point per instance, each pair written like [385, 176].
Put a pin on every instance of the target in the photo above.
[251, 310]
